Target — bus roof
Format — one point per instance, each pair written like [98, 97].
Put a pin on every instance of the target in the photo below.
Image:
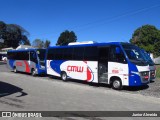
[22, 50]
[94, 44]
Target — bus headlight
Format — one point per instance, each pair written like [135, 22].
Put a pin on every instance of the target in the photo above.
[145, 75]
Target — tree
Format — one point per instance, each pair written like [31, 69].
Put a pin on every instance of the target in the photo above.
[157, 49]
[38, 43]
[2, 31]
[47, 43]
[146, 37]
[66, 37]
[2, 28]
[13, 35]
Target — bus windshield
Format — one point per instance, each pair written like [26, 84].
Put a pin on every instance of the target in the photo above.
[135, 54]
[41, 56]
[148, 58]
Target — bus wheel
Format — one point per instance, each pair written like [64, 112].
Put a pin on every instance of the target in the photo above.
[33, 72]
[117, 84]
[15, 70]
[64, 76]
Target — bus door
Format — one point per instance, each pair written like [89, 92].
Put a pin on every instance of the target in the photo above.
[41, 57]
[33, 59]
[103, 64]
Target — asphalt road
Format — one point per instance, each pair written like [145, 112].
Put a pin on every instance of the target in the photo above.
[22, 92]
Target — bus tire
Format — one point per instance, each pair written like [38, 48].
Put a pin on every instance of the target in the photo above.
[33, 72]
[64, 76]
[117, 84]
[14, 69]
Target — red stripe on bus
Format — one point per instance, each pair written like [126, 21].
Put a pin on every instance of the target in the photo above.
[27, 66]
[88, 74]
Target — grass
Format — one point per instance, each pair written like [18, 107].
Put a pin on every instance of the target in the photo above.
[158, 71]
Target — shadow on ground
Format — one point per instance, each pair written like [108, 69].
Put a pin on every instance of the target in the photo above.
[137, 88]
[24, 73]
[8, 89]
[125, 88]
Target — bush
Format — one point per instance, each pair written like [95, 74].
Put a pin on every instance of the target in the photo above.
[158, 71]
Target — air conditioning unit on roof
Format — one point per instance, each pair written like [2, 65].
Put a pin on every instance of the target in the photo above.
[23, 47]
[81, 43]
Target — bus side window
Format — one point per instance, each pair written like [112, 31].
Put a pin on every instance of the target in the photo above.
[51, 54]
[68, 54]
[58, 54]
[103, 54]
[91, 53]
[33, 57]
[11, 55]
[22, 55]
[78, 53]
[116, 54]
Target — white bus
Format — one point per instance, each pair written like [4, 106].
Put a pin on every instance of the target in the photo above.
[152, 66]
[115, 63]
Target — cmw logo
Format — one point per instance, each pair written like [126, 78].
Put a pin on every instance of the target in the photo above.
[75, 68]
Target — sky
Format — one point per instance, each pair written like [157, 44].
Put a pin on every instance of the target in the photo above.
[91, 20]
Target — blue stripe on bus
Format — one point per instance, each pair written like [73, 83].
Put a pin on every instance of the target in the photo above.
[55, 65]
[134, 79]
[11, 63]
